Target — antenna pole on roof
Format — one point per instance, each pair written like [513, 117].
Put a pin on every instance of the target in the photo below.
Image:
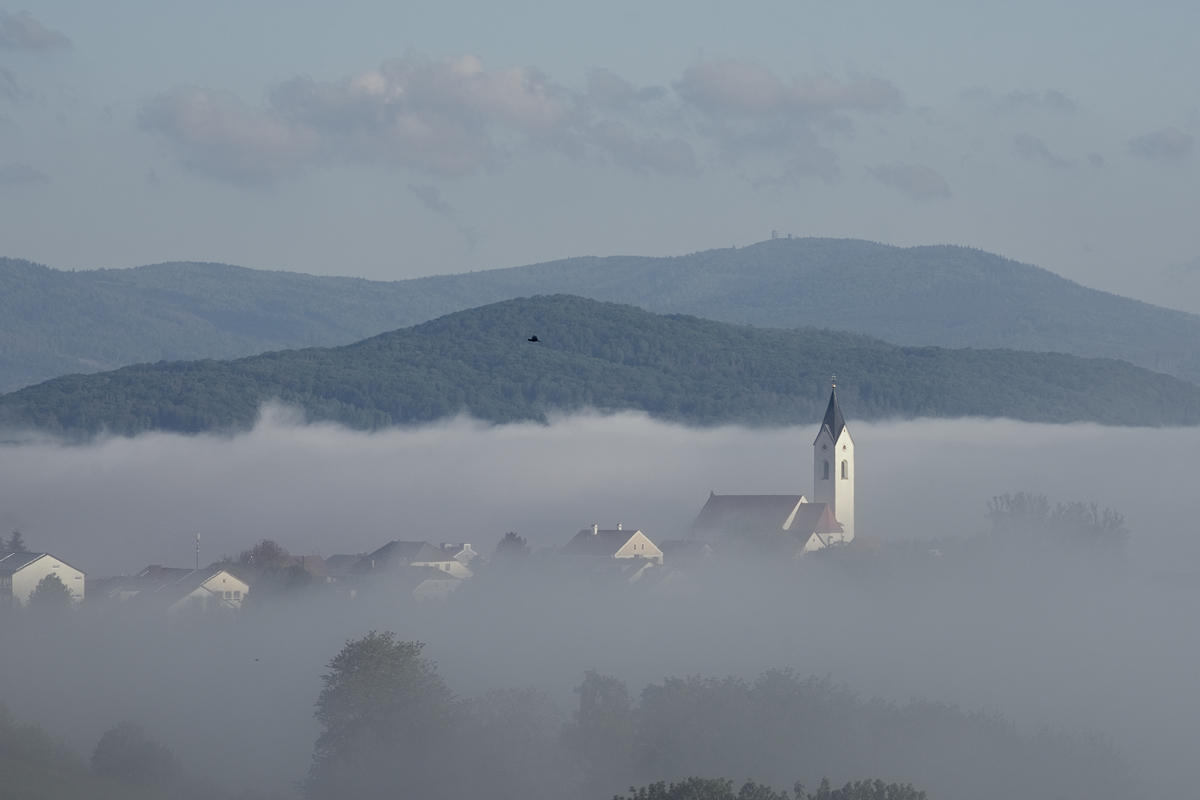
[197, 551]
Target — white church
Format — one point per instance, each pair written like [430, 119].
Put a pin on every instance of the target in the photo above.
[793, 520]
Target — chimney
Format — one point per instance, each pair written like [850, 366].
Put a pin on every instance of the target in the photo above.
[595, 529]
[620, 527]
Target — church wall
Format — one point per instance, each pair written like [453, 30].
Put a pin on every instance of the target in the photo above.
[837, 492]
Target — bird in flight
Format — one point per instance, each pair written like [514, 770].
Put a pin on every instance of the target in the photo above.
[533, 339]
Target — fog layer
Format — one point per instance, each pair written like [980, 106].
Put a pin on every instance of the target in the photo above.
[1109, 650]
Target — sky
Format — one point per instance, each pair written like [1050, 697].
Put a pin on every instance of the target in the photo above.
[391, 141]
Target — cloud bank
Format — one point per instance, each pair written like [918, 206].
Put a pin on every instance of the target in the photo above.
[454, 117]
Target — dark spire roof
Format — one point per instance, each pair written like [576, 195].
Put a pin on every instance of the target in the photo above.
[834, 420]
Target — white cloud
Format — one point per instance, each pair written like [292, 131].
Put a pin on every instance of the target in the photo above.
[737, 87]
[21, 31]
[1168, 144]
[216, 134]
[915, 180]
[746, 110]
[455, 117]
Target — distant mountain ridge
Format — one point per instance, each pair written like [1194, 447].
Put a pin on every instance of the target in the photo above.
[608, 357]
[54, 322]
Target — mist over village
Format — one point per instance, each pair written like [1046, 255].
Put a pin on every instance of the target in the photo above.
[630, 402]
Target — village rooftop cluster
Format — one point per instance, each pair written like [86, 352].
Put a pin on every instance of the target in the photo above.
[430, 571]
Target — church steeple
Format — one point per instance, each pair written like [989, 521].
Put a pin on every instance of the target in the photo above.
[834, 420]
[833, 465]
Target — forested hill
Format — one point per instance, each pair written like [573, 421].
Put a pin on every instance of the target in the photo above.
[609, 357]
[53, 322]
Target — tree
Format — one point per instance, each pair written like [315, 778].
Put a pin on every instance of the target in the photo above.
[862, 790]
[126, 753]
[604, 730]
[16, 543]
[384, 709]
[719, 789]
[512, 546]
[1029, 515]
[267, 553]
[688, 789]
[51, 596]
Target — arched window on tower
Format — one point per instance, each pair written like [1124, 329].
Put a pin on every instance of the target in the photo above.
[845, 470]
[826, 476]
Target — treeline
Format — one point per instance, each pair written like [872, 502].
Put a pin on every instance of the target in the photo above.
[393, 728]
[607, 357]
[125, 765]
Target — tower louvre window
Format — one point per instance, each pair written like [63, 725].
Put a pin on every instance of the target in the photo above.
[826, 476]
[845, 470]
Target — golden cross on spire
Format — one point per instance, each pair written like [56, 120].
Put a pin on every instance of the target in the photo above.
[833, 381]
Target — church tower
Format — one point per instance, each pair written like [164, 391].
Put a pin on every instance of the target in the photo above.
[833, 466]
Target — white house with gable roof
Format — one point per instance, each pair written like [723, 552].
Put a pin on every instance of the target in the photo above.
[618, 543]
[20, 573]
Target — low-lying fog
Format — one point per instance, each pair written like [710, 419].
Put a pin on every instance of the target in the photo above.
[1113, 652]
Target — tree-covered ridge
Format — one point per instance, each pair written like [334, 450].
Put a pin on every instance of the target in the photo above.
[53, 322]
[608, 357]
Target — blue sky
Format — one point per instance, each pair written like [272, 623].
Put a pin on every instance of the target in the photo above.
[395, 140]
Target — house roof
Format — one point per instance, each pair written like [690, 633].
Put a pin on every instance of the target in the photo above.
[340, 564]
[12, 562]
[163, 587]
[815, 518]
[313, 565]
[747, 512]
[397, 553]
[176, 575]
[834, 421]
[589, 542]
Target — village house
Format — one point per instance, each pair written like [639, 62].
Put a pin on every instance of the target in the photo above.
[20, 573]
[615, 543]
[174, 589]
[426, 570]
[450, 558]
